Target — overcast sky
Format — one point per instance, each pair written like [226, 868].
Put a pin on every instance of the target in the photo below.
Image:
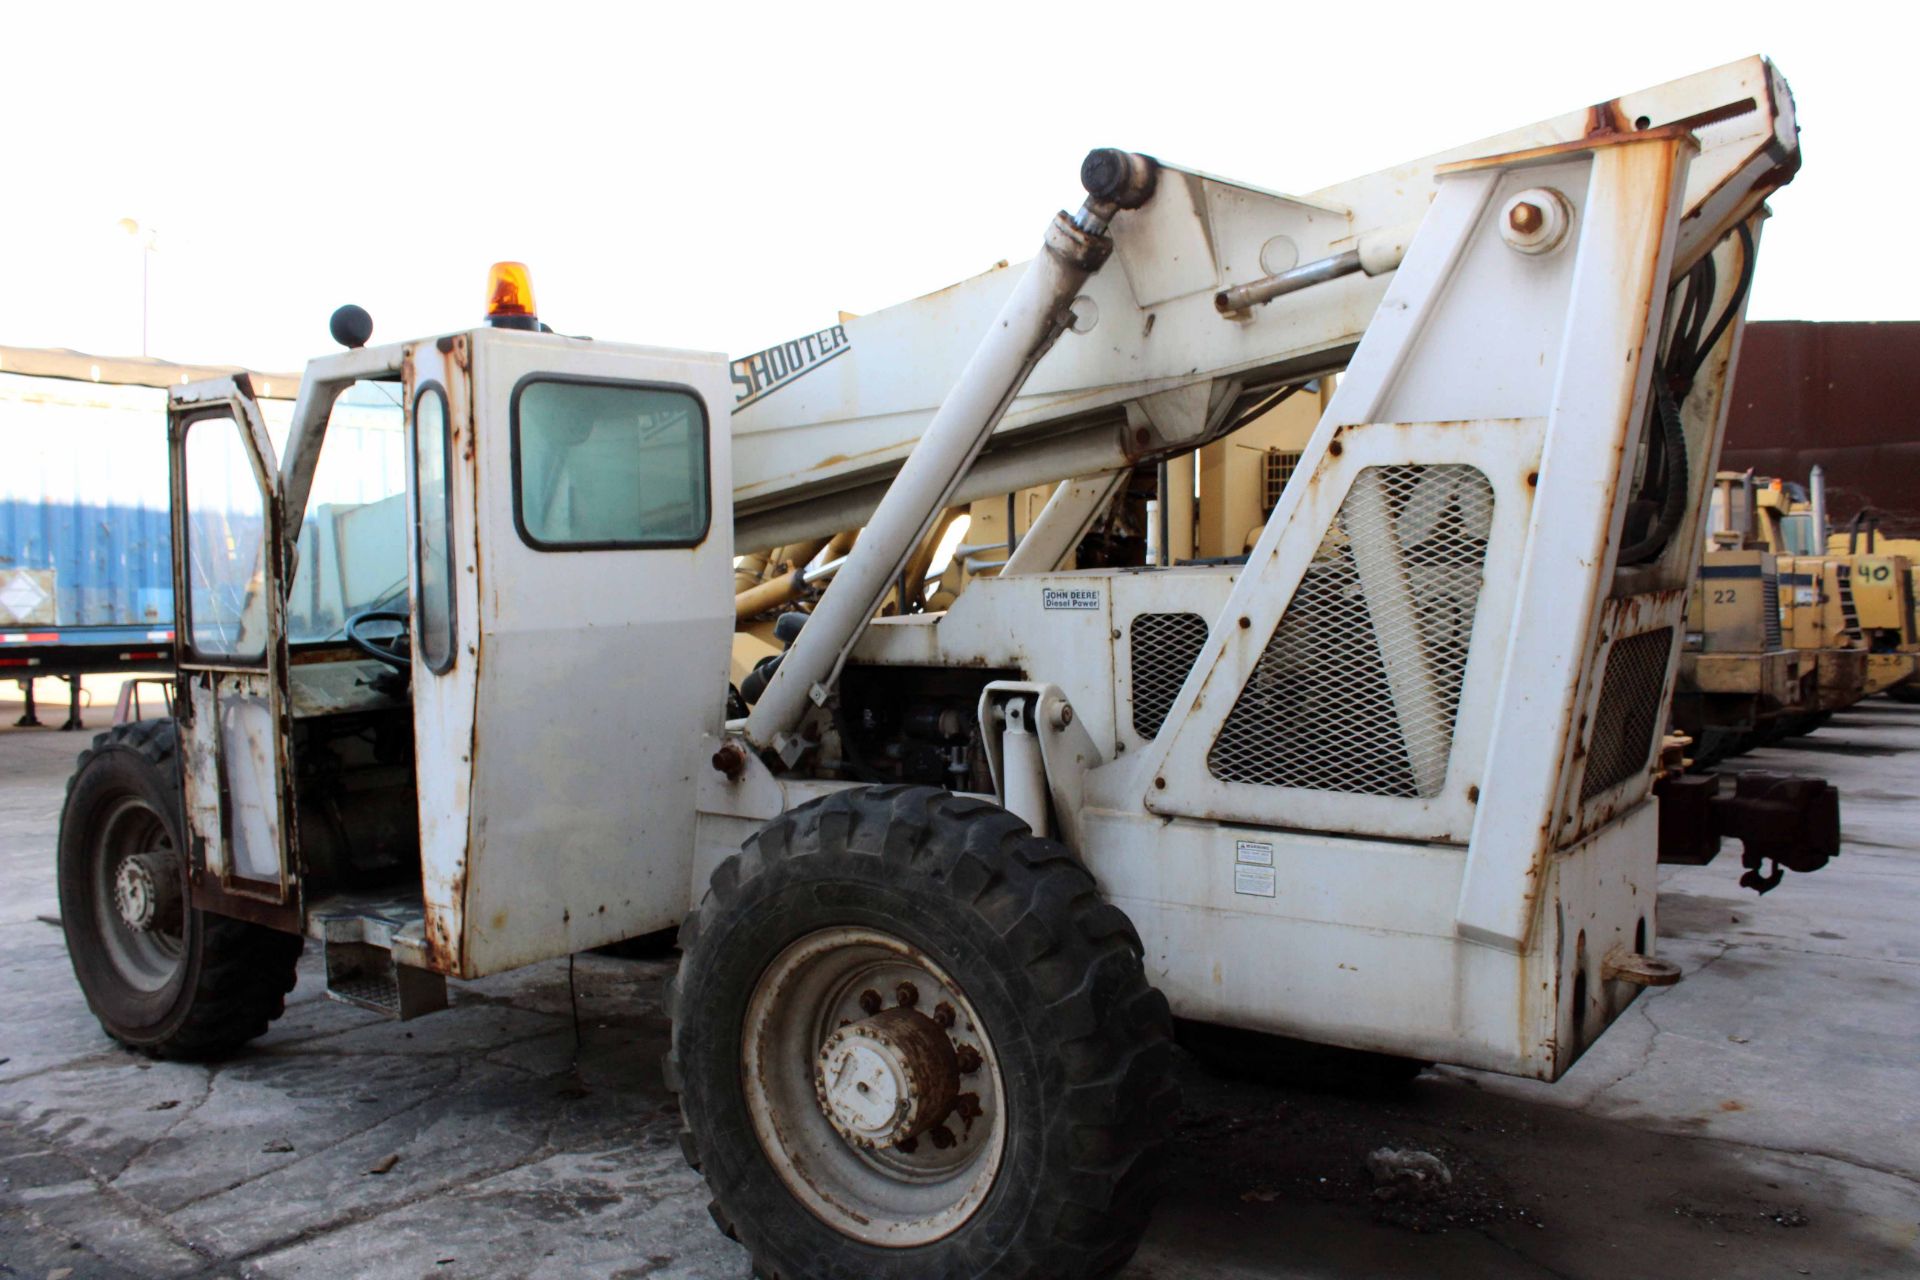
[724, 176]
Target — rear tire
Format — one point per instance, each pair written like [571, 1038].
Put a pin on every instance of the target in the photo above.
[1065, 1050]
[162, 978]
[1908, 692]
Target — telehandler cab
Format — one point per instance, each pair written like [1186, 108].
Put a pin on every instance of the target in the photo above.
[453, 690]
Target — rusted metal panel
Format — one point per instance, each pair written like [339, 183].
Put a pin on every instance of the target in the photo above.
[1656, 616]
[443, 701]
[1840, 395]
[1627, 240]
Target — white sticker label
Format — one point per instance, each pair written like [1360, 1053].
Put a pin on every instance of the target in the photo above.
[1069, 597]
[1255, 853]
[1255, 881]
[1803, 595]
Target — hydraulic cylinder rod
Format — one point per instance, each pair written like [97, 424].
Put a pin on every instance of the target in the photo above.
[1026, 328]
[1379, 252]
[784, 589]
[1267, 288]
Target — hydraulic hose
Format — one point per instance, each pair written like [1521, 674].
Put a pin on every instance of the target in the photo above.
[1673, 381]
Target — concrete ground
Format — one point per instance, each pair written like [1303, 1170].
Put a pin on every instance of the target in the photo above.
[1760, 1119]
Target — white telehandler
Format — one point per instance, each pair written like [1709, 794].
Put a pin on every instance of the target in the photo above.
[453, 696]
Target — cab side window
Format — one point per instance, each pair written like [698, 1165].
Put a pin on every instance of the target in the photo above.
[601, 465]
[432, 545]
[226, 532]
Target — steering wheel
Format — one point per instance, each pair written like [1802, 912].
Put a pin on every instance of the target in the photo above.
[395, 651]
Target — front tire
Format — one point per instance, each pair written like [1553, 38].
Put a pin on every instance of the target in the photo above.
[162, 978]
[929, 946]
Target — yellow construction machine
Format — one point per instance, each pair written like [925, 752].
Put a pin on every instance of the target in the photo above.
[1849, 600]
[1739, 675]
[1886, 599]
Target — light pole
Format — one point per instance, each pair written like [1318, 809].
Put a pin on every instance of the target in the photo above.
[147, 238]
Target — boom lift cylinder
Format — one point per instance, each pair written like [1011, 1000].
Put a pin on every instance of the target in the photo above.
[1024, 331]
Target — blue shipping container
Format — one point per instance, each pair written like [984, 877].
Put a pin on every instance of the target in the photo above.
[84, 498]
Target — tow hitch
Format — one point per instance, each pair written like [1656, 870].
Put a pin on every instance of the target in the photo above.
[1789, 822]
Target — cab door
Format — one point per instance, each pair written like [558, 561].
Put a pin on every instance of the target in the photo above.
[229, 559]
[604, 629]
[444, 597]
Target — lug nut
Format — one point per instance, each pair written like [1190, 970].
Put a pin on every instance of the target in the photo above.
[943, 1014]
[967, 1058]
[1525, 218]
[907, 994]
[870, 1001]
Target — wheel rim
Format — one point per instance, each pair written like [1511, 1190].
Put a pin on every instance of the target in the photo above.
[138, 895]
[873, 1087]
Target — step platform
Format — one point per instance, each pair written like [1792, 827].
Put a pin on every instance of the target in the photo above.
[360, 933]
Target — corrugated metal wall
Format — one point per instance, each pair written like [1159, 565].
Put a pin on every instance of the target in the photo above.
[1845, 395]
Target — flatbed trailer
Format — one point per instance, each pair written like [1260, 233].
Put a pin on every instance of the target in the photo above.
[85, 579]
[71, 652]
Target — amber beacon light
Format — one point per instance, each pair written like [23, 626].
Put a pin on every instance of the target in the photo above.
[510, 296]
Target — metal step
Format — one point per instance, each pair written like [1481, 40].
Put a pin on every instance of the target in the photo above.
[359, 935]
[364, 975]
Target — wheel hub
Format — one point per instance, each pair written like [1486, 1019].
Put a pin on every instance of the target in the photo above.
[872, 1086]
[146, 892]
[887, 1079]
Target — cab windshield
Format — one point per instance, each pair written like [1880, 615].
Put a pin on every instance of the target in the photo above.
[352, 553]
[1796, 535]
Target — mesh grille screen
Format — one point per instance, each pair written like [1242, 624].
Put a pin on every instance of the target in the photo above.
[1770, 611]
[1279, 468]
[1164, 646]
[1628, 714]
[1357, 688]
